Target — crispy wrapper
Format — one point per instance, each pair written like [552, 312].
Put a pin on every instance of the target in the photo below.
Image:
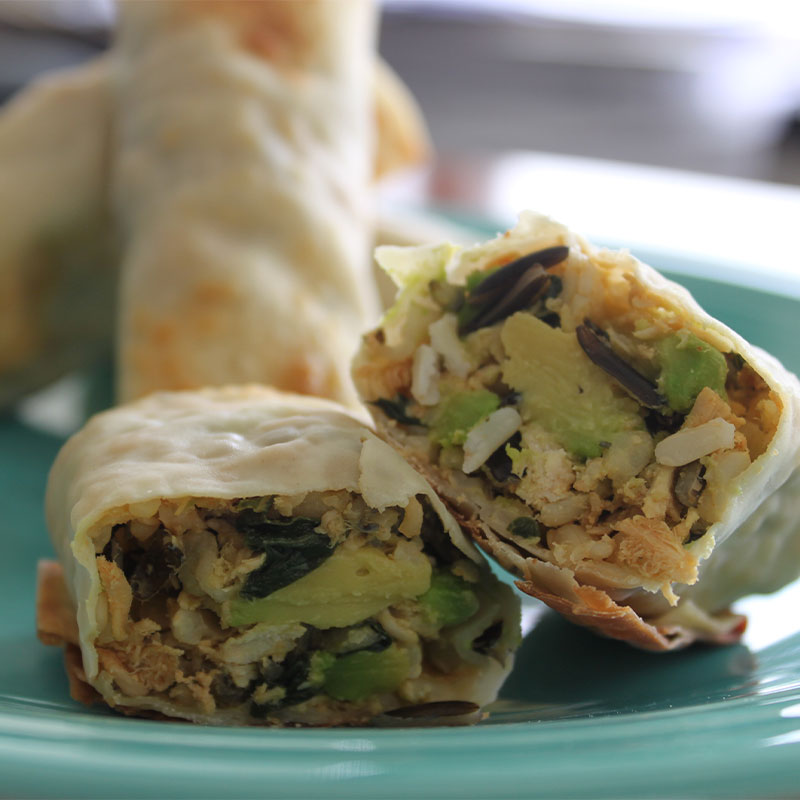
[242, 556]
[598, 432]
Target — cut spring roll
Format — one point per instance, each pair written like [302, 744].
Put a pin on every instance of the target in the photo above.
[243, 556]
[242, 176]
[598, 432]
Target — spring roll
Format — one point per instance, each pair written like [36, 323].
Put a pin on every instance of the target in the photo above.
[56, 244]
[243, 556]
[242, 174]
[58, 254]
[599, 433]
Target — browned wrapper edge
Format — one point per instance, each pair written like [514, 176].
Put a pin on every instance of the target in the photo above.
[56, 625]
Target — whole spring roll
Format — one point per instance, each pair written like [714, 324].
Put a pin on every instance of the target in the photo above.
[599, 433]
[243, 556]
[58, 259]
[242, 170]
[57, 262]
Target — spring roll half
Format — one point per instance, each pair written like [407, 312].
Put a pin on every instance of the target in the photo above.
[242, 556]
[597, 431]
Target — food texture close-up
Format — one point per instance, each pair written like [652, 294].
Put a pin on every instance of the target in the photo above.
[399, 399]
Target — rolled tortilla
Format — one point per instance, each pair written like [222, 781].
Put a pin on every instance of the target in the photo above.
[598, 432]
[58, 254]
[242, 556]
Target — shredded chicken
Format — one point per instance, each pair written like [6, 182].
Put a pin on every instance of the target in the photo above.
[142, 663]
[118, 597]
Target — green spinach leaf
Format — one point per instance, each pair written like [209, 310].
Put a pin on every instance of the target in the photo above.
[293, 548]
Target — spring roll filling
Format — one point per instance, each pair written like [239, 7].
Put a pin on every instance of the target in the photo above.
[586, 422]
[263, 606]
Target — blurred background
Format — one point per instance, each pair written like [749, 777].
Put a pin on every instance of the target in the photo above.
[710, 86]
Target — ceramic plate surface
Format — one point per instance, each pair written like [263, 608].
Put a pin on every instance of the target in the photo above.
[579, 716]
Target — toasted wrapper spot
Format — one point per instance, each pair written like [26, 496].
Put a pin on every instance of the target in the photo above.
[593, 608]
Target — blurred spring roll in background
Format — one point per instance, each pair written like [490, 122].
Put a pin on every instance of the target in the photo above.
[58, 259]
[243, 556]
[242, 168]
[597, 431]
[57, 251]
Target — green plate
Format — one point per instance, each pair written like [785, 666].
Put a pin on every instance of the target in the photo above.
[579, 716]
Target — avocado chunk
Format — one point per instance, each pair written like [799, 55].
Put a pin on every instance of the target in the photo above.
[346, 589]
[356, 676]
[459, 413]
[562, 390]
[688, 365]
[449, 601]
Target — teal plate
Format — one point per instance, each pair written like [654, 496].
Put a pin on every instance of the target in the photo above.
[578, 717]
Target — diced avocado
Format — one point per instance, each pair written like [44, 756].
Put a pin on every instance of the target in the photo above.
[358, 675]
[318, 667]
[562, 390]
[449, 601]
[346, 589]
[688, 365]
[459, 413]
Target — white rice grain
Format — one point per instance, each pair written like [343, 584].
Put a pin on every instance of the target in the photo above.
[689, 444]
[488, 435]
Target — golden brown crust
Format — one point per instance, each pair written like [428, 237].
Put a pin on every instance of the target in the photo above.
[596, 610]
[79, 688]
[55, 615]
[592, 608]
